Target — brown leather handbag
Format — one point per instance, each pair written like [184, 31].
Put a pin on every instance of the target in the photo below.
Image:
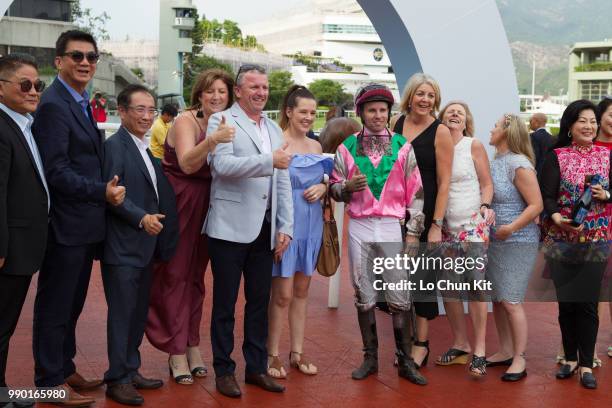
[329, 254]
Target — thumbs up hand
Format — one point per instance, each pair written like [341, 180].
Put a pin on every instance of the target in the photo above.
[280, 157]
[224, 133]
[115, 194]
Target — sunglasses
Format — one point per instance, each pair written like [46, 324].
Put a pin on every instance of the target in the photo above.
[26, 85]
[79, 56]
[249, 67]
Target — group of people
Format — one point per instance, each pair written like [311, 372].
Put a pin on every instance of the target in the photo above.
[240, 190]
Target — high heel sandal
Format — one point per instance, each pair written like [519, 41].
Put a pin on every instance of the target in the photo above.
[200, 369]
[302, 362]
[422, 344]
[453, 356]
[478, 366]
[275, 363]
[183, 379]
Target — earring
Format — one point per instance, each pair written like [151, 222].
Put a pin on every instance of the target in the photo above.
[569, 134]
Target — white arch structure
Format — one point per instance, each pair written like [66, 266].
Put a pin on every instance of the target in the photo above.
[462, 44]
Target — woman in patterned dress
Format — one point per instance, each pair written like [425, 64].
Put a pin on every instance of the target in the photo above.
[467, 220]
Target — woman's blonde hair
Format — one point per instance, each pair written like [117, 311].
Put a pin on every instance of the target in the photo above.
[469, 119]
[517, 136]
[412, 85]
[205, 80]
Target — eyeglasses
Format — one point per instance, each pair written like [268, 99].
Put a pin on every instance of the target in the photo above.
[26, 85]
[249, 67]
[78, 56]
[141, 110]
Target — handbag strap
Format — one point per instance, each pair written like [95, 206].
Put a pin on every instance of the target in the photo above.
[327, 206]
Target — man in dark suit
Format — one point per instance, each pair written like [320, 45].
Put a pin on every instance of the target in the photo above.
[132, 231]
[24, 198]
[541, 140]
[71, 149]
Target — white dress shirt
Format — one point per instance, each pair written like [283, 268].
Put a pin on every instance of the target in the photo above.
[266, 145]
[142, 148]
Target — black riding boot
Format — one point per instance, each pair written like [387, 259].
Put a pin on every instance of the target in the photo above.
[403, 344]
[367, 325]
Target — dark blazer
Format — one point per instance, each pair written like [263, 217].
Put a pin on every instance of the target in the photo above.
[126, 243]
[70, 145]
[23, 203]
[541, 141]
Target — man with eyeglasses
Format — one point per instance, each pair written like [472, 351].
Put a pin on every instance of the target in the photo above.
[250, 214]
[133, 234]
[24, 197]
[71, 149]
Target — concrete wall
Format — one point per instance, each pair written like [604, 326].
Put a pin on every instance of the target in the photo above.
[28, 32]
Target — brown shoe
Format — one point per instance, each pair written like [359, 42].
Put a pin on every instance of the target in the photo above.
[228, 386]
[264, 382]
[142, 383]
[73, 398]
[77, 382]
[124, 394]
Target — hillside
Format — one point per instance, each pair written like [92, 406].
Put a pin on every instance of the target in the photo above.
[545, 30]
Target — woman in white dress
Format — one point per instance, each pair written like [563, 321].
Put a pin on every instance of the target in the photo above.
[467, 220]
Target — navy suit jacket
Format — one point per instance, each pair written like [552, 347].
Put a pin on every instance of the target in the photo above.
[70, 145]
[126, 243]
[541, 141]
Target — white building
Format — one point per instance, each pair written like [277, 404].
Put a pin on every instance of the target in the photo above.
[141, 54]
[590, 70]
[328, 30]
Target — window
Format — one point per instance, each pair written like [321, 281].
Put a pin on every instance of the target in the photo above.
[184, 12]
[58, 10]
[184, 34]
[595, 90]
[348, 29]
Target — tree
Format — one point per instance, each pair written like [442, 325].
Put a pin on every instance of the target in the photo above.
[196, 64]
[329, 92]
[86, 21]
[279, 83]
[228, 32]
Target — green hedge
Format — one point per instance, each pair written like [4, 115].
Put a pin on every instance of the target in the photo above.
[595, 66]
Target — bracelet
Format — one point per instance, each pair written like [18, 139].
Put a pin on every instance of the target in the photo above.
[486, 205]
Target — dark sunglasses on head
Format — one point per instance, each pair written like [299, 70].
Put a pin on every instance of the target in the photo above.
[250, 67]
[78, 56]
[26, 85]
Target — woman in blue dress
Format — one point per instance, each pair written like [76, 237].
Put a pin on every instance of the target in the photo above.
[293, 269]
[514, 243]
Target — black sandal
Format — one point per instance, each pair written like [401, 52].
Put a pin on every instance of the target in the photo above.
[478, 366]
[422, 344]
[453, 356]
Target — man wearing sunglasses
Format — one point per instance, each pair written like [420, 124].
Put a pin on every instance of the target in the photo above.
[24, 198]
[72, 154]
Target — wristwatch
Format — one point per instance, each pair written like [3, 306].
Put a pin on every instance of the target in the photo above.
[438, 222]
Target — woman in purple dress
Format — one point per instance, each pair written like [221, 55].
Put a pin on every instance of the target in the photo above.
[292, 272]
[177, 293]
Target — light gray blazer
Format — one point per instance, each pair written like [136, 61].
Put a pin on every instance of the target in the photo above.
[241, 183]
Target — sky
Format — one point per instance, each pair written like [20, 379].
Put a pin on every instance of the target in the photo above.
[123, 22]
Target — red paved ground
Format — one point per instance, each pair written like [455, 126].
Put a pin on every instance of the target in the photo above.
[333, 343]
